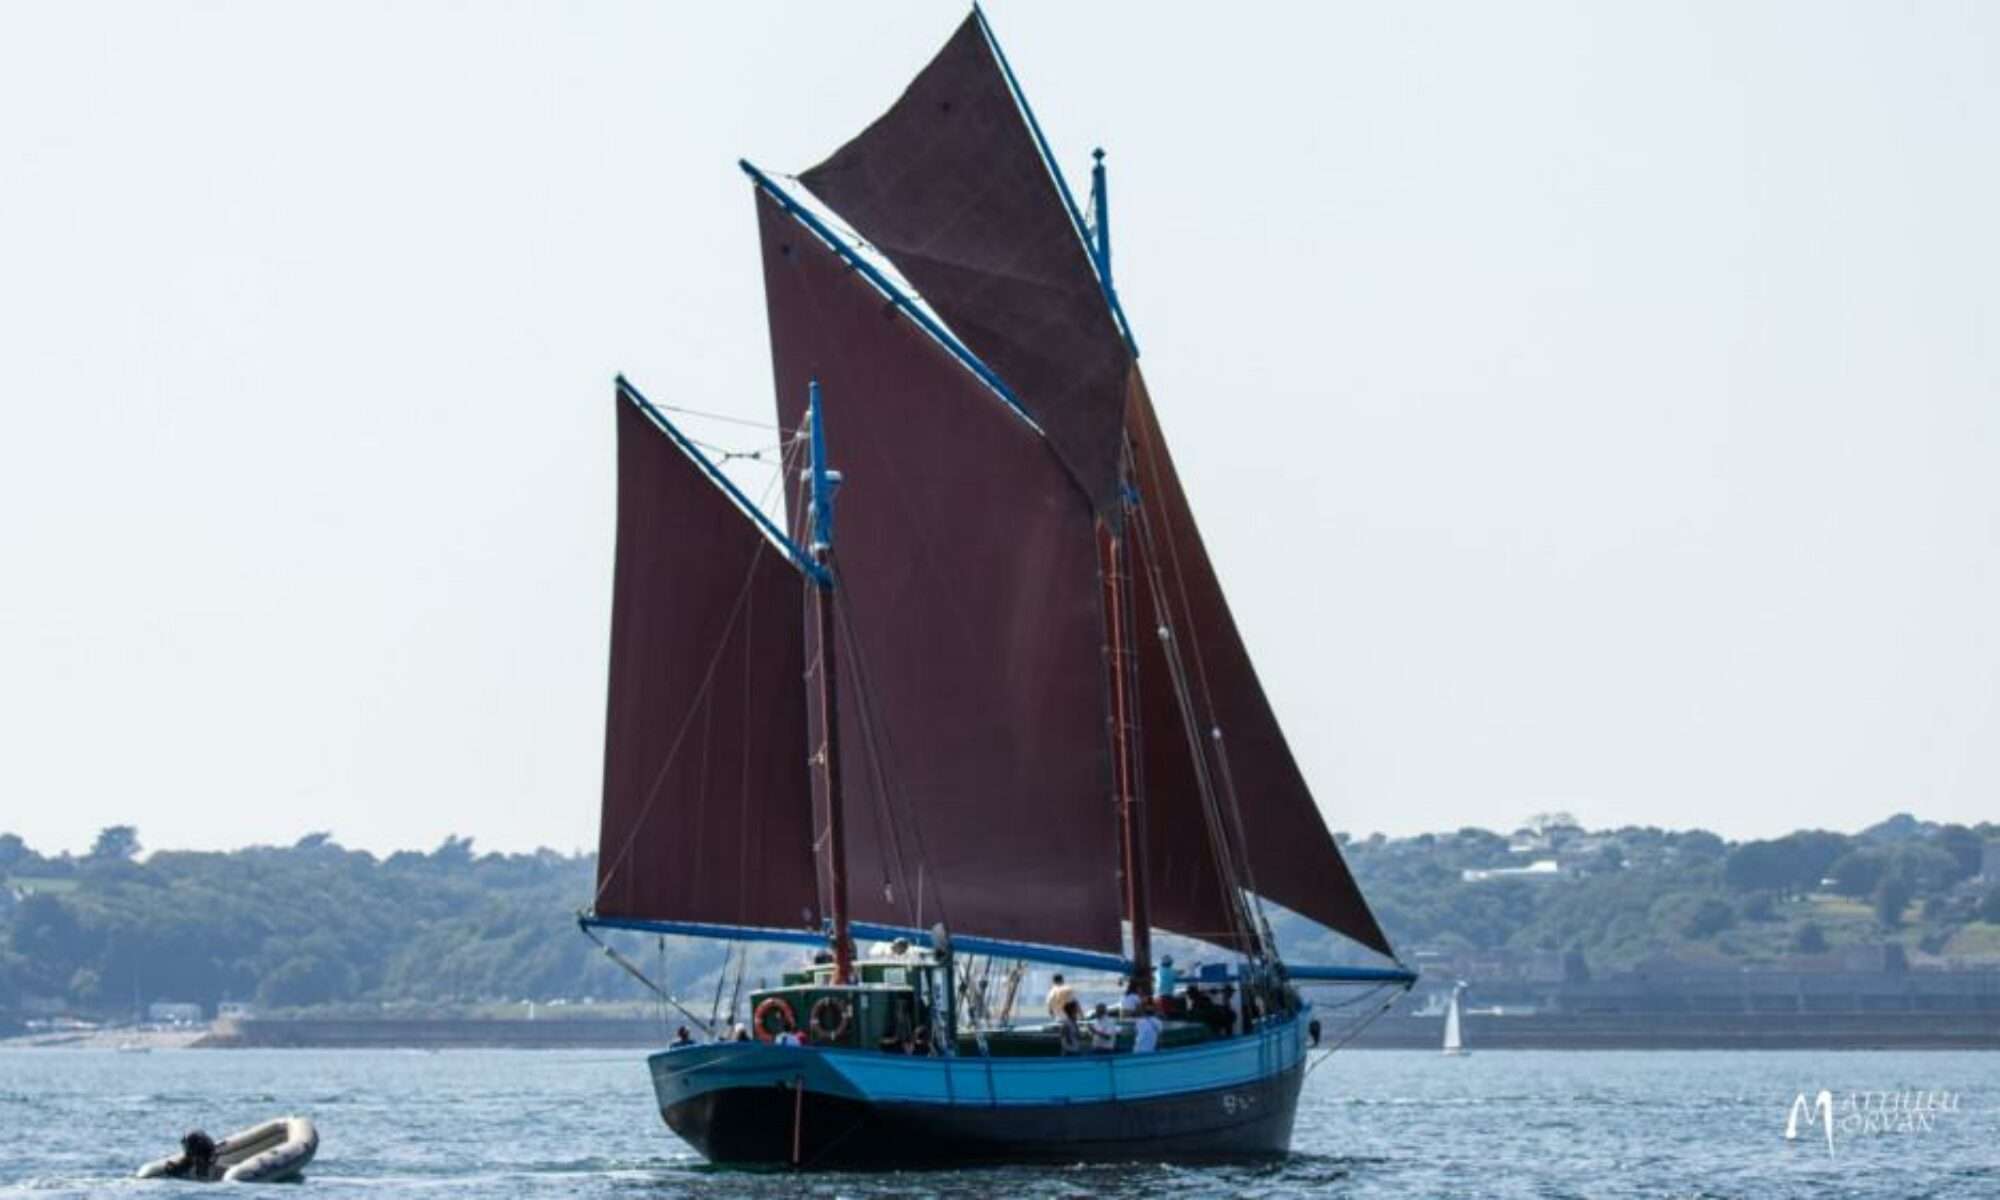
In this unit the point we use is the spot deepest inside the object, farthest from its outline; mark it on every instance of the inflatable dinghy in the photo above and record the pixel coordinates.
(274, 1152)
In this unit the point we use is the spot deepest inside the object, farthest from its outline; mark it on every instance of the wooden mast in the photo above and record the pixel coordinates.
(1116, 555)
(823, 482)
(1115, 552)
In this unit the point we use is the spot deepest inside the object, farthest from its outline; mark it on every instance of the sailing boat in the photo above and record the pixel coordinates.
(989, 708)
(1454, 1044)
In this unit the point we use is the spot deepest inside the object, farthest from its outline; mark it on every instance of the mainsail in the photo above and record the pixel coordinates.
(951, 185)
(706, 809)
(971, 695)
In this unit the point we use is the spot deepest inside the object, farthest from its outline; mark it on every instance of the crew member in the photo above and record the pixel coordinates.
(1103, 1031)
(1069, 1030)
(1146, 1030)
(1061, 996)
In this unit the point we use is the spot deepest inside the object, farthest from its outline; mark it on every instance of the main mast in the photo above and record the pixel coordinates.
(823, 482)
(1116, 567)
(1115, 552)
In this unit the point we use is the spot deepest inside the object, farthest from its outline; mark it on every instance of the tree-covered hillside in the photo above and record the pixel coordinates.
(1619, 896)
(310, 924)
(315, 924)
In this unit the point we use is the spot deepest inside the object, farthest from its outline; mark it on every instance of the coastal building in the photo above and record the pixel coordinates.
(1540, 869)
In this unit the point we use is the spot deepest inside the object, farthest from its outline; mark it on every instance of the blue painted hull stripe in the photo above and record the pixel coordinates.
(875, 1077)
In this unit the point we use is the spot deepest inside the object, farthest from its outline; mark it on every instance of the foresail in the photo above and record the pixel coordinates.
(951, 186)
(971, 692)
(1293, 859)
(707, 810)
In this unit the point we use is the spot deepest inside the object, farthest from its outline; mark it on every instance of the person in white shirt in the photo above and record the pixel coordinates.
(1061, 996)
(1103, 1031)
(1146, 1030)
(1129, 1003)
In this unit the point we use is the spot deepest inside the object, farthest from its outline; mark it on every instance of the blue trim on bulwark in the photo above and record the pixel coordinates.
(968, 1081)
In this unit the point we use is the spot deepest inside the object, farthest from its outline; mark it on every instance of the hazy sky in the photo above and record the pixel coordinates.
(1589, 406)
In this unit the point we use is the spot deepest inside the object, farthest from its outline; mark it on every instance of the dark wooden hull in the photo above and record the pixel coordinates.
(782, 1124)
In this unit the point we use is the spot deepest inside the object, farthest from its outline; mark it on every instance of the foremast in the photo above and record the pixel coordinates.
(827, 756)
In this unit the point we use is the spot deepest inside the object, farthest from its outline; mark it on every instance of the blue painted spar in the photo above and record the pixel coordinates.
(1060, 956)
(705, 929)
(799, 557)
(894, 294)
(1398, 975)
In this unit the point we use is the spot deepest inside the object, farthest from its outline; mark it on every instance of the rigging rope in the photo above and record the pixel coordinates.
(632, 969)
(721, 977)
(723, 454)
(1229, 876)
(716, 416)
(1354, 1031)
(874, 737)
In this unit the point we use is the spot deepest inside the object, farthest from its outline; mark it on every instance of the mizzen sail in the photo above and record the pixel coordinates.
(707, 814)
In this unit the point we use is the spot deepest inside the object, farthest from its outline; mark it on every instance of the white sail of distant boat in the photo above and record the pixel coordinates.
(1454, 1044)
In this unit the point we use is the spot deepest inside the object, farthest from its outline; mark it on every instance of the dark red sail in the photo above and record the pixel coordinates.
(951, 186)
(707, 804)
(1186, 886)
(1292, 857)
(971, 693)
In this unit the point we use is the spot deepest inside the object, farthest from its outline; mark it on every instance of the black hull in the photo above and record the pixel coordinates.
(777, 1124)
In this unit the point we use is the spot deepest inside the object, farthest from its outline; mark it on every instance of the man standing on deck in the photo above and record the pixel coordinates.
(1103, 1031)
(1146, 1030)
(1061, 996)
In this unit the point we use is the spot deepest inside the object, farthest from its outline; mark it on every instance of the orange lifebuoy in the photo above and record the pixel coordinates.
(842, 1014)
(769, 1005)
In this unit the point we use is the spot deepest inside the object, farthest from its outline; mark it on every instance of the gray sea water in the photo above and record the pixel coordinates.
(1371, 1124)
